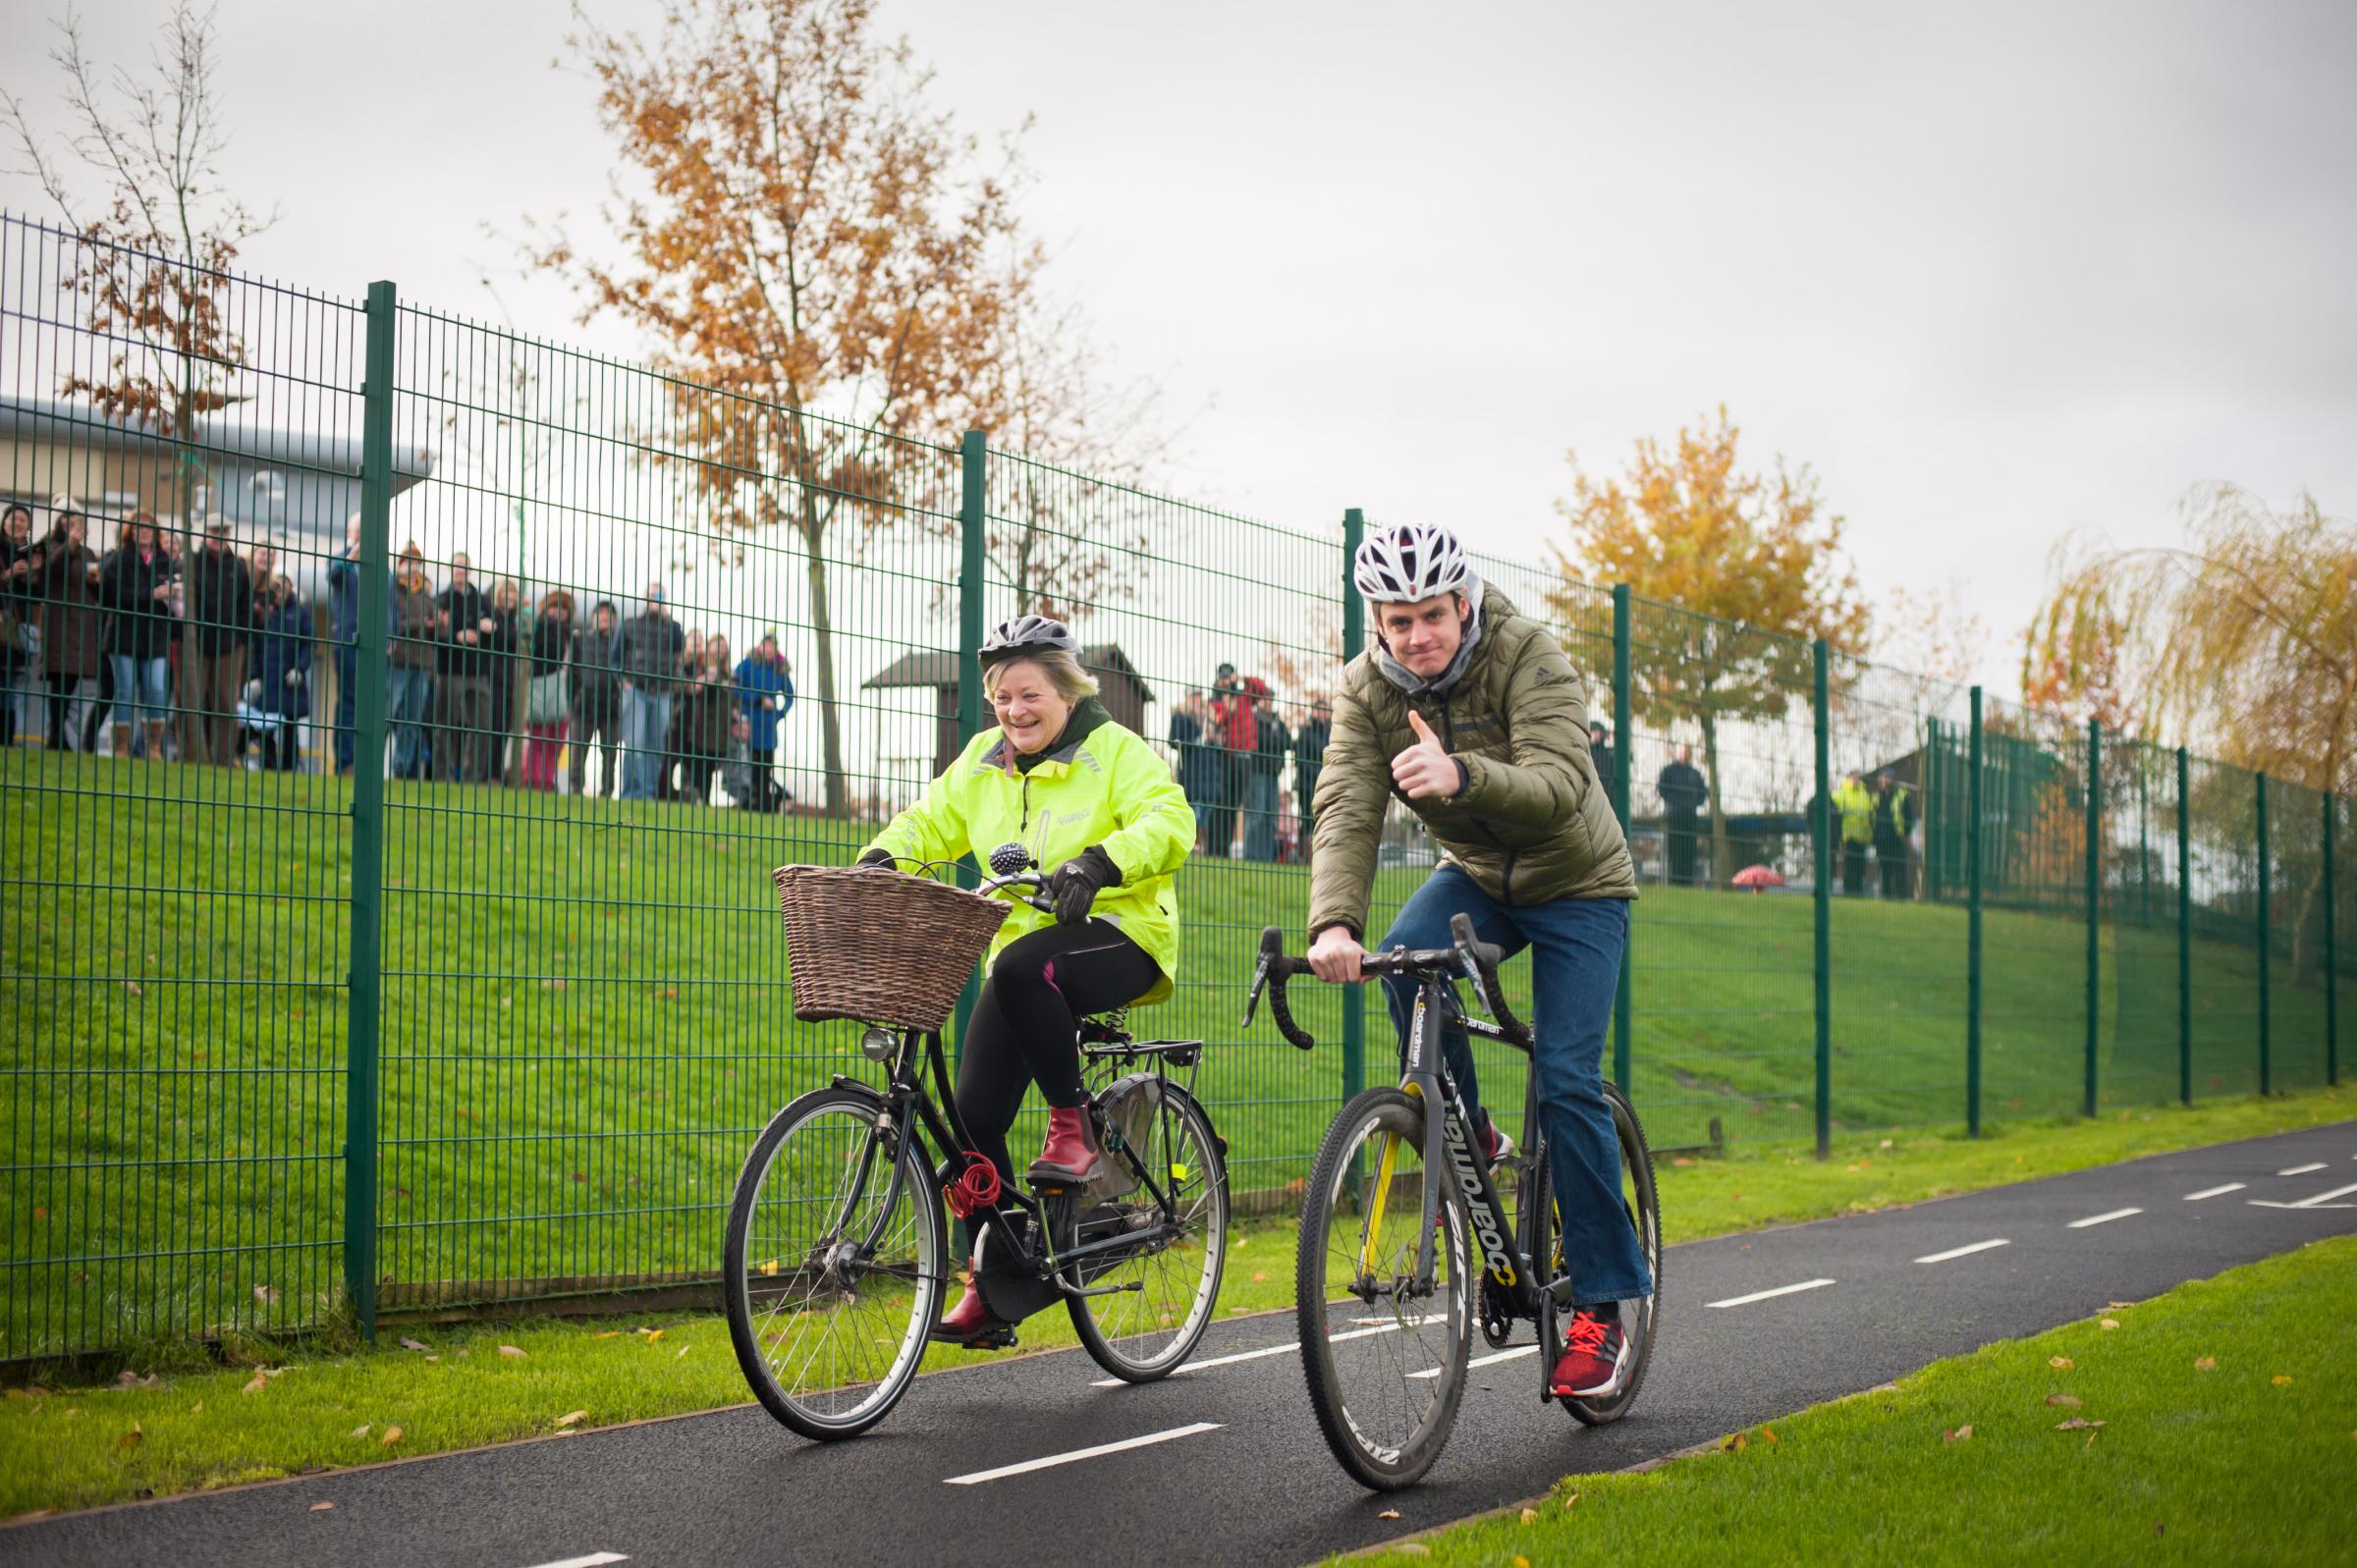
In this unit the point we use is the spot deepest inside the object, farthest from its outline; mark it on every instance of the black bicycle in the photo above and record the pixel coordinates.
(1401, 1209)
(837, 1255)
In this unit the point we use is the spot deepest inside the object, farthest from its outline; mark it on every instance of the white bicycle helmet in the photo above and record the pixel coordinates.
(1408, 562)
(1026, 634)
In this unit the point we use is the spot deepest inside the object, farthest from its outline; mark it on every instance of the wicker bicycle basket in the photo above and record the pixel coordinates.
(878, 947)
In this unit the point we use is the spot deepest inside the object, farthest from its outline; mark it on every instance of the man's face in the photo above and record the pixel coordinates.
(215, 543)
(604, 618)
(1685, 753)
(769, 650)
(1426, 634)
(458, 571)
(654, 603)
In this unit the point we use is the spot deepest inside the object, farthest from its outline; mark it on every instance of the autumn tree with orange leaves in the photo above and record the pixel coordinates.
(152, 267)
(820, 259)
(1756, 558)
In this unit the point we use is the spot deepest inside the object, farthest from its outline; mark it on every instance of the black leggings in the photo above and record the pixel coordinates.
(1026, 1025)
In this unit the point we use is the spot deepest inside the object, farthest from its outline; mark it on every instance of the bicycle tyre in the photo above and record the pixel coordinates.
(839, 1135)
(1639, 1320)
(1372, 1457)
(1183, 1140)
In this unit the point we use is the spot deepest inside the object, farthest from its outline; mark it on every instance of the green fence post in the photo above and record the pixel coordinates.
(2266, 942)
(2184, 930)
(1972, 924)
(1822, 811)
(1624, 993)
(2332, 952)
(974, 497)
(2095, 873)
(364, 989)
(1354, 643)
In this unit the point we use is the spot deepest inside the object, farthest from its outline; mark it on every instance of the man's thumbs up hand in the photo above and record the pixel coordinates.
(1425, 768)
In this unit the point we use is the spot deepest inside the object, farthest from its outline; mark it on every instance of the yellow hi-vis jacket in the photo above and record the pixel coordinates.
(1099, 784)
(1855, 802)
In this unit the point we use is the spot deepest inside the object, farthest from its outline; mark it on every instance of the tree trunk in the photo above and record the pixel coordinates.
(1717, 869)
(830, 717)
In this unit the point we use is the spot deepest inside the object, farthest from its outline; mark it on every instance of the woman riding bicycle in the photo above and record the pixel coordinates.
(1103, 818)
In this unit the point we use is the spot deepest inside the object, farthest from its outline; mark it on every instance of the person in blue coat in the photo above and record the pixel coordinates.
(283, 670)
(764, 693)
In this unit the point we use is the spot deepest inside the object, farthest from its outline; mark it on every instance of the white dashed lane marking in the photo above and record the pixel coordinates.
(2322, 1200)
(596, 1559)
(2104, 1219)
(2214, 1191)
(1960, 1251)
(2302, 1170)
(1483, 1361)
(1763, 1295)
(1050, 1461)
(1270, 1350)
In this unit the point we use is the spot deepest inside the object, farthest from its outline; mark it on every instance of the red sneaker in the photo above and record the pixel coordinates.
(1495, 1146)
(1070, 1153)
(1593, 1349)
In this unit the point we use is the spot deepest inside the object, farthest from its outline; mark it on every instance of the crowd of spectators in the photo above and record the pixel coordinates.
(207, 654)
(1231, 747)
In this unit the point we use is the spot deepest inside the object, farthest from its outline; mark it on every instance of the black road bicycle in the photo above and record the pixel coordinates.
(838, 1255)
(1403, 1215)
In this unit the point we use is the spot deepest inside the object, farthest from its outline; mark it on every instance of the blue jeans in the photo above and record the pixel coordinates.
(1576, 950)
(645, 728)
(1260, 814)
(141, 684)
(408, 699)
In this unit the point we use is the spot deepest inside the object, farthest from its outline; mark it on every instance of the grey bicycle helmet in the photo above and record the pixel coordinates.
(1026, 634)
(1408, 562)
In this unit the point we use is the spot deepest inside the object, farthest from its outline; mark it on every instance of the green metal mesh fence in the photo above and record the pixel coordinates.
(557, 1017)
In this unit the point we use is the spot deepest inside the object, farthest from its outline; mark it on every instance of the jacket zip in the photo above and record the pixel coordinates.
(1505, 879)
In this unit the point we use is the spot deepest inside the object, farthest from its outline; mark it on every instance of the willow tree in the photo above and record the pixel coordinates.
(2242, 638)
(810, 247)
(1748, 565)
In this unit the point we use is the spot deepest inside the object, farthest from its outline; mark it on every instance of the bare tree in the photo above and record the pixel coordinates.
(156, 244)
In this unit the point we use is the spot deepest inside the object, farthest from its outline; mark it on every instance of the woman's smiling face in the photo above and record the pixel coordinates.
(1030, 709)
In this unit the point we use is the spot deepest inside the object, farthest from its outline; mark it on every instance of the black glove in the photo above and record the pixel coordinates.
(882, 858)
(1075, 884)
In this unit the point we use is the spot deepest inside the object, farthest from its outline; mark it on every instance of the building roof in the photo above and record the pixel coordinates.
(79, 424)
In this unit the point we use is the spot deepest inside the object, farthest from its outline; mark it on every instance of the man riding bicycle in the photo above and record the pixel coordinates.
(1470, 712)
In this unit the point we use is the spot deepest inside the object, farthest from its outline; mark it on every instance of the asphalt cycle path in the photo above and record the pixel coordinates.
(1046, 1460)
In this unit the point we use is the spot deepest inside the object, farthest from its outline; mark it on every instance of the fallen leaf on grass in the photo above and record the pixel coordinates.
(1260, 1276)
(2281, 1379)
(1530, 1516)
(2108, 1324)
(392, 1436)
(1769, 1433)
(1680, 1160)
(511, 1352)
(321, 1507)
(1521, 1562)
(571, 1416)
(2205, 1364)
(2060, 1363)
(261, 1382)
(131, 1439)
(408, 1343)
(1735, 1444)
(2078, 1424)
(2119, 1306)
(265, 1295)
(2064, 1401)
(653, 1334)
(1961, 1433)
(1571, 1502)
(363, 1429)
(682, 1352)
(197, 1409)
(608, 1334)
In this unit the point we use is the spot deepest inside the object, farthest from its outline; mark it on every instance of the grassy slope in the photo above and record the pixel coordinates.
(586, 1017)
(202, 1429)
(2248, 1460)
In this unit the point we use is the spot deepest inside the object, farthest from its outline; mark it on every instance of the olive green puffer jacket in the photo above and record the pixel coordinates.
(1532, 825)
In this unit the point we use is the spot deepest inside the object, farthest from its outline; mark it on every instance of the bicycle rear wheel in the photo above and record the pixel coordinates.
(833, 1265)
(1386, 1364)
(1637, 1317)
(1149, 1331)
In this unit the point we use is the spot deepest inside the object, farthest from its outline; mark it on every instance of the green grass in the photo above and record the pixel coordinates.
(202, 1429)
(586, 1017)
(2249, 1459)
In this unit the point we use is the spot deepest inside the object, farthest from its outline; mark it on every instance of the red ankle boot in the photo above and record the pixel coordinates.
(968, 1319)
(1070, 1153)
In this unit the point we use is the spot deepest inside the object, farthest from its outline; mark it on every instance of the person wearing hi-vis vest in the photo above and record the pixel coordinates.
(1893, 820)
(1853, 806)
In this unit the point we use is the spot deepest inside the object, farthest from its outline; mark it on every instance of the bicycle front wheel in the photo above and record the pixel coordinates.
(1168, 1286)
(834, 1263)
(1384, 1353)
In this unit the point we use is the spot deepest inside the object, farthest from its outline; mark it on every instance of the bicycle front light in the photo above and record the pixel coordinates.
(877, 1044)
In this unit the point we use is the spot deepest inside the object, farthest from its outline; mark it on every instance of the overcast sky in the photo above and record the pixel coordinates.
(1998, 272)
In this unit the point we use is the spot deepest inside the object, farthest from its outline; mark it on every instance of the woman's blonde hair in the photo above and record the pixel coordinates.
(1063, 673)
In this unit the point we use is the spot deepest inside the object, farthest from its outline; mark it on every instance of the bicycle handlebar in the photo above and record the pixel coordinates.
(1467, 956)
